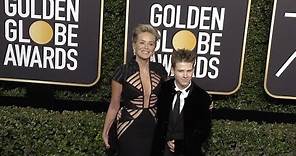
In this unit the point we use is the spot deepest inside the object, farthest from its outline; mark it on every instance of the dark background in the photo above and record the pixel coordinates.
(61, 120)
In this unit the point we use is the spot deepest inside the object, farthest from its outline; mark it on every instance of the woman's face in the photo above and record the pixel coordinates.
(144, 45)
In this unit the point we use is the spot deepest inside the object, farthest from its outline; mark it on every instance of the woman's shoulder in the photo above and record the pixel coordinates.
(120, 68)
(157, 67)
(156, 64)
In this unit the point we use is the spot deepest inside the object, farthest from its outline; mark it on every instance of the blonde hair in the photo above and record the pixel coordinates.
(183, 55)
(141, 28)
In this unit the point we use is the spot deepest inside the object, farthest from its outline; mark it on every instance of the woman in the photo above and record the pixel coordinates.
(137, 83)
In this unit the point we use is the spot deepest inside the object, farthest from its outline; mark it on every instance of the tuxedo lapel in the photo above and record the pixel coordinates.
(171, 93)
(165, 100)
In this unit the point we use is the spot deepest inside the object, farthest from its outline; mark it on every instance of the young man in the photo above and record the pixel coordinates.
(184, 117)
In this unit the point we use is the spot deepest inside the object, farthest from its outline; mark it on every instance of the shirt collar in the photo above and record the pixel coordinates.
(185, 90)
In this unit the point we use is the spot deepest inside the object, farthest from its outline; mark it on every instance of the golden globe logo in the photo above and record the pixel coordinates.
(215, 30)
(51, 41)
(200, 30)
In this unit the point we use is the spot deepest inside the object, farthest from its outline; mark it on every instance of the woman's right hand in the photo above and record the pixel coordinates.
(171, 145)
(112, 111)
(105, 139)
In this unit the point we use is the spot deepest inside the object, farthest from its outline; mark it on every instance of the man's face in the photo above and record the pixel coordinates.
(183, 73)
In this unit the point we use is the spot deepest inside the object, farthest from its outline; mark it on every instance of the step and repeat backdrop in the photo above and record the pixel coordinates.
(51, 41)
(216, 30)
(60, 41)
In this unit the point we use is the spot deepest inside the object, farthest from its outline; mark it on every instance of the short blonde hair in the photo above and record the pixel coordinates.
(141, 28)
(183, 55)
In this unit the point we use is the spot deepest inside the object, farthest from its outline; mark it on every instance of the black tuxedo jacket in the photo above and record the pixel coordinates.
(196, 115)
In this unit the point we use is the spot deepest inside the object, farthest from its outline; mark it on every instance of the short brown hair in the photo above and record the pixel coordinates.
(141, 28)
(183, 55)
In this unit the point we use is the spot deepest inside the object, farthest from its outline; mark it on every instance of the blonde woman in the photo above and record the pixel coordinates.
(137, 85)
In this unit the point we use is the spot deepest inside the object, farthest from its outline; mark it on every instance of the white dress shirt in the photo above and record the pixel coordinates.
(183, 95)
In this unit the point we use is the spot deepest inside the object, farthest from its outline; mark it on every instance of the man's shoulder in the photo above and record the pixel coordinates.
(195, 86)
(198, 91)
(167, 87)
(169, 82)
